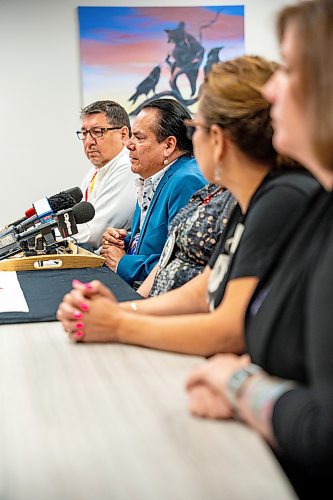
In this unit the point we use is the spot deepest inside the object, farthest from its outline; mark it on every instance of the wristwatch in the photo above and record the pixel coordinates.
(237, 381)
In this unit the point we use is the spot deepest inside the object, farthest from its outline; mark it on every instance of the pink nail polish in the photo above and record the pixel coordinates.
(79, 334)
(77, 315)
(84, 307)
(79, 325)
(76, 282)
(88, 286)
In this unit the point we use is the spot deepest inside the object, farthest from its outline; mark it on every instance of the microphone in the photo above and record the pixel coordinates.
(60, 201)
(66, 221)
(47, 206)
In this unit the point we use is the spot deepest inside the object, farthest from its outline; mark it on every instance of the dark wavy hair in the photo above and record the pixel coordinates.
(115, 113)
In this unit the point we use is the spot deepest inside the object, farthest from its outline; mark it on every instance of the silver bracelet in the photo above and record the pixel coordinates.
(133, 306)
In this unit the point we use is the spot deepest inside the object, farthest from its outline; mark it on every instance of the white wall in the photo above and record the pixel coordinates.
(40, 95)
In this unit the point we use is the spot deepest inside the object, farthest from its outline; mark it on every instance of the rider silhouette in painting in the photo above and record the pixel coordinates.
(185, 57)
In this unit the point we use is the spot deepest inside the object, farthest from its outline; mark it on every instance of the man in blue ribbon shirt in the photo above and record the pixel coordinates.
(162, 157)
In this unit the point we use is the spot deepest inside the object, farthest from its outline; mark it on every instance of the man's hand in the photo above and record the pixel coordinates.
(114, 236)
(112, 256)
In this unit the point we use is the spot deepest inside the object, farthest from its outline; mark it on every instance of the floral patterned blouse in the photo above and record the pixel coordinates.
(192, 236)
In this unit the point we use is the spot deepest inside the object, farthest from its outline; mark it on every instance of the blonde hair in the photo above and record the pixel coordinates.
(313, 21)
(231, 97)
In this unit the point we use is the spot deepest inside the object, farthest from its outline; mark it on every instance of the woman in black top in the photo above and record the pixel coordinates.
(233, 145)
(287, 393)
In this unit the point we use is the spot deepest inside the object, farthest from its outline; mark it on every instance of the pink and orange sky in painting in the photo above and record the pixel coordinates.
(119, 46)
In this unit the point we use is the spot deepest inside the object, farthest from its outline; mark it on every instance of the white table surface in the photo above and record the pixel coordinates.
(81, 422)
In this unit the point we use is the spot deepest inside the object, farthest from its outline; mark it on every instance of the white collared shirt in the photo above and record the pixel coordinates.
(113, 197)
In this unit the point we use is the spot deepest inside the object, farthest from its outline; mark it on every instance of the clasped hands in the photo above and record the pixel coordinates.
(113, 247)
(207, 386)
(89, 313)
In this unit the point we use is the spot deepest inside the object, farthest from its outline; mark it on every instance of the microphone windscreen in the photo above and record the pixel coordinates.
(76, 193)
(65, 199)
(83, 212)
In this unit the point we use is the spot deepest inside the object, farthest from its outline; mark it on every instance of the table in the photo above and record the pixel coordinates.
(83, 422)
(44, 290)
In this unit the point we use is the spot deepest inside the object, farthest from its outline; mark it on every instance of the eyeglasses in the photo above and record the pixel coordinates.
(191, 126)
(95, 132)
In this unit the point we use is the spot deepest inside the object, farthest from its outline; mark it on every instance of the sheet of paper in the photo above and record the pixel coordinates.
(11, 294)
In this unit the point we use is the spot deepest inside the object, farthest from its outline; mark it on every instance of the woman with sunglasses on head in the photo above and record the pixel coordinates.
(233, 145)
(287, 395)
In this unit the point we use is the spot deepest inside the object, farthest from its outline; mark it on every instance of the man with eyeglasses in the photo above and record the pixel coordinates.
(110, 184)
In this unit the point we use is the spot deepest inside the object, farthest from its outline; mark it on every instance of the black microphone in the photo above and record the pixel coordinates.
(47, 206)
(66, 221)
(64, 199)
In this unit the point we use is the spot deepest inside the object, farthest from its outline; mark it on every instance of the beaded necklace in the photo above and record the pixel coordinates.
(211, 195)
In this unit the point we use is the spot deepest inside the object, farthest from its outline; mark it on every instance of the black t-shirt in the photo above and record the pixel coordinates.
(289, 333)
(274, 211)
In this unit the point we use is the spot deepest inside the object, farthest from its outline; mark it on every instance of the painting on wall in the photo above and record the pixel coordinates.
(134, 54)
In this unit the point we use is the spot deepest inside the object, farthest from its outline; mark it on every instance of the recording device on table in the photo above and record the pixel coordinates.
(47, 226)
